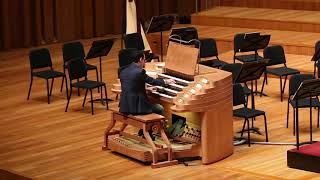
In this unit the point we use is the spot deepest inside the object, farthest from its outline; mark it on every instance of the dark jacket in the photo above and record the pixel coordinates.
(134, 99)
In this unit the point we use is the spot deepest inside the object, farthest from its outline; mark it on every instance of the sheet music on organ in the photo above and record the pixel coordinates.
(182, 59)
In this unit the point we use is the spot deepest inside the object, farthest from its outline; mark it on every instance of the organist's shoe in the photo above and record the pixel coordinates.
(140, 133)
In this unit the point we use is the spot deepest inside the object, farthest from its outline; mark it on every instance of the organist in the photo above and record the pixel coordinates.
(133, 80)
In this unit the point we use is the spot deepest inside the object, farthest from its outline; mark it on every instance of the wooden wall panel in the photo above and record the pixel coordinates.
(34, 22)
(100, 16)
(66, 20)
(37, 30)
(4, 25)
(147, 8)
(186, 7)
(86, 9)
(48, 20)
(167, 6)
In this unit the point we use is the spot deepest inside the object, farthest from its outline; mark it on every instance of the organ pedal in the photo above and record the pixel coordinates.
(145, 122)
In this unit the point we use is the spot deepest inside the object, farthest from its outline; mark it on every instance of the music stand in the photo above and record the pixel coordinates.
(307, 89)
(253, 42)
(99, 49)
(251, 72)
(183, 35)
(160, 24)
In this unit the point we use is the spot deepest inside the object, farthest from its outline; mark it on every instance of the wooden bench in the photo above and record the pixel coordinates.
(146, 123)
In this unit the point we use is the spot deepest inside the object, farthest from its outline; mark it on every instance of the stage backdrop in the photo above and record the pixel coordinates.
(26, 23)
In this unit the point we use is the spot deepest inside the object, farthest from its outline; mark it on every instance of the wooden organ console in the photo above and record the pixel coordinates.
(202, 95)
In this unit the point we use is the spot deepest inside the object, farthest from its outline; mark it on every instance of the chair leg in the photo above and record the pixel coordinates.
(264, 80)
(318, 116)
(66, 85)
(101, 96)
(288, 114)
(68, 97)
(294, 121)
(281, 96)
(48, 93)
(85, 97)
(91, 102)
(30, 88)
(78, 88)
(314, 68)
(98, 79)
(256, 85)
(266, 128)
(105, 92)
(51, 86)
(244, 125)
(310, 122)
(284, 85)
(248, 125)
(64, 71)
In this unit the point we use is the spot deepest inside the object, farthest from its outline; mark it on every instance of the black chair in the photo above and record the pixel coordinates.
(244, 58)
(245, 112)
(276, 56)
(135, 40)
(74, 50)
(123, 57)
(294, 84)
(77, 69)
(316, 61)
(40, 60)
(208, 49)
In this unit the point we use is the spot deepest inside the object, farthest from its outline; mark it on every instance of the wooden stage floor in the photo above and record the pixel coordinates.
(278, 19)
(42, 141)
(301, 43)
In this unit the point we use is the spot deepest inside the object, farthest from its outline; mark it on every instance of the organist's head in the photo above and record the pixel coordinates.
(137, 56)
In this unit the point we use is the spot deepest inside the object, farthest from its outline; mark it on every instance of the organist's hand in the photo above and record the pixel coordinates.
(152, 89)
(169, 81)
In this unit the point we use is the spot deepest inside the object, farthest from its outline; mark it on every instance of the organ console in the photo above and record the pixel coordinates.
(202, 95)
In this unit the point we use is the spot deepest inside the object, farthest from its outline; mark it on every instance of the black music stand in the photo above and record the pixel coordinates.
(183, 35)
(160, 24)
(99, 49)
(251, 72)
(254, 42)
(315, 58)
(307, 89)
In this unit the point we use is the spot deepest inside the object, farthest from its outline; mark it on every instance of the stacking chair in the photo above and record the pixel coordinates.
(245, 112)
(294, 84)
(77, 69)
(208, 49)
(316, 61)
(244, 58)
(275, 56)
(40, 60)
(74, 50)
(135, 40)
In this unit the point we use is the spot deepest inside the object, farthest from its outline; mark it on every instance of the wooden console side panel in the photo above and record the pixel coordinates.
(217, 131)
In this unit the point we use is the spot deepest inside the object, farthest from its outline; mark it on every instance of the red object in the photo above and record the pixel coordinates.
(311, 149)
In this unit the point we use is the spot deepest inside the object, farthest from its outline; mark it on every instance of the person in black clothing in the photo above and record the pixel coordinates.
(133, 80)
